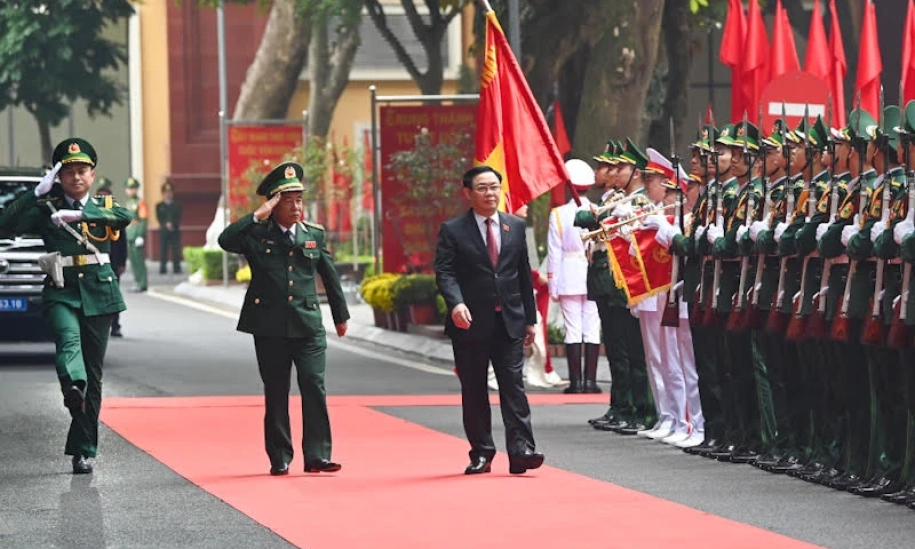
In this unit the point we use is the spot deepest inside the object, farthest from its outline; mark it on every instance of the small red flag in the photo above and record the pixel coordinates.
(817, 61)
(908, 54)
(731, 54)
(869, 63)
(784, 52)
(756, 59)
(838, 67)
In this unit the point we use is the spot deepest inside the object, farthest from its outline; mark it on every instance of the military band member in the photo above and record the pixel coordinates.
(136, 234)
(631, 404)
(80, 292)
(567, 274)
(282, 312)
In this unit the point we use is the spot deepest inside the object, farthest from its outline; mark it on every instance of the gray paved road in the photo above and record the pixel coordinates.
(171, 350)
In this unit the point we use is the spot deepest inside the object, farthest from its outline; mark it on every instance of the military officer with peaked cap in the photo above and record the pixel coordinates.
(81, 292)
(281, 311)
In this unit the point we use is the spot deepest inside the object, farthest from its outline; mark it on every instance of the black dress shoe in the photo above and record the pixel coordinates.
(706, 445)
(808, 469)
(591, 387)
(722, 452)
(520, 463)
(81, 465)
(574, 389)
(744, 455)
(786, 464)
(75, 400)
(116, 332)
(608, 417)
(911, 504)
(279, 470)
(632, 428)
(766, 460)
(478, 466)
(877, 488)
(322, 466)
(824, 477)
(846, 481)
(901, 496)
(615, 425)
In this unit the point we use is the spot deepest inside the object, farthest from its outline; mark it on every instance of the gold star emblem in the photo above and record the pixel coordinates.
(740, 131)
(290, 172)
(74, 148)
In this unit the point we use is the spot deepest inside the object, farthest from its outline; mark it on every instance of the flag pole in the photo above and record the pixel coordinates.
(486, 6)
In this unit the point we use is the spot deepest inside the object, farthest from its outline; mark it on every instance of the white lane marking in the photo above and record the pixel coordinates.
(365, 353)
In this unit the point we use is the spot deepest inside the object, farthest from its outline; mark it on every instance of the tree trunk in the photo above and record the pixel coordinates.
(678, 49)
(329, 67)
(273, 76)
(618, 75)
(44, 134)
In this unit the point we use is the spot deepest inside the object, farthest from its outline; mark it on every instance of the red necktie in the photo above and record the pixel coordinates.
(491, 243)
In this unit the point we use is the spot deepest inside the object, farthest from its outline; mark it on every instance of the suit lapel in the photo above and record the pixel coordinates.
(474, 230)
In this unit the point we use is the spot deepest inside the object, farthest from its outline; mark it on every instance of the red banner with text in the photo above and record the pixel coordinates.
(260, 148)
(424, 152)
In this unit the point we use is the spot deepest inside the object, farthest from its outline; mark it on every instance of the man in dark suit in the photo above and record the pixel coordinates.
(484, 274)
(281, 311)
(168, 214)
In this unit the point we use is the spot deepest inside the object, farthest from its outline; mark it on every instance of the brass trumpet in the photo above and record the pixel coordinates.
(615, 201)
(606, 232)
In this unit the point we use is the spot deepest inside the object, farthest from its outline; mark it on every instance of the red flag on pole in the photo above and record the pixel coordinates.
(558, 194)
(784, 52)
(731, 54)
(838, 67)
(817, 61)
(368, 197)
(869, 63)
(512, 134)
(756, 59)
(908, 54)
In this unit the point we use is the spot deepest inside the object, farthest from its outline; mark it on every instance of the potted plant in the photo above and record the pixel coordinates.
(377, 291)
(416, 293)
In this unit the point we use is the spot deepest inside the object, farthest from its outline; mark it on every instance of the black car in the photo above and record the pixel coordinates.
(21, 280)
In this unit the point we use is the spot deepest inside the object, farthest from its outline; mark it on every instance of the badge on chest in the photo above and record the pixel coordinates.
(311, 243)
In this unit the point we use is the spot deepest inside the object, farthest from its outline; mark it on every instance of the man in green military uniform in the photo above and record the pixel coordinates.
(80, 292)
(630, 405)
(168, 214)
(136, 234)
(281, 311)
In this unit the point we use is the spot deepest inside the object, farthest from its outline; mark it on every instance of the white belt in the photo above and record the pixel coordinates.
(80, 260)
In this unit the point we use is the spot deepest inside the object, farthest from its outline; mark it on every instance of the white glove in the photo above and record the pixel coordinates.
(821, 230)
(901, 229)
(713, 233)
(877, 230)
(757, 227)
(654, 221)
(742, 230)
(632, 250)
(780, 230)
(625, 231)
(138, 242)
(623, 211)
(634, 312)
(849, 231)
(44, 186)
(66, 216)
(700, 230)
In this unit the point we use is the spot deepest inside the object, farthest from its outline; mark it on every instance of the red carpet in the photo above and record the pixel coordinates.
(402, 487)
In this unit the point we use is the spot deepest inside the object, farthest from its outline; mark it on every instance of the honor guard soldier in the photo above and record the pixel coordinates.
(80, 292)
(118, 253)
(849, 282)
(168, 214)
(739, 204)
(567, 274)
(281, 311)
(631, 407)
(136, 234)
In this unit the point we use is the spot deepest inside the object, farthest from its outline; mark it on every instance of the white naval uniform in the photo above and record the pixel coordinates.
(567, 272)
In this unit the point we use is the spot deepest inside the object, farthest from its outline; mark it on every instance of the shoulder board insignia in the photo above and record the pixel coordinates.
(313, 225)
(848, 210)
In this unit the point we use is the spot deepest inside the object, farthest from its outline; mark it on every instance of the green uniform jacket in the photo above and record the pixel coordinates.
(282, 297)
(860, 248)
(93, 288)
(766, 245)
(686, 246)
(169, 213)
(735, 203)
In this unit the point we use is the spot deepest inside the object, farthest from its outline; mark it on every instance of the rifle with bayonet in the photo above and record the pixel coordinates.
(795, 331)
(776, 321)
(671, 316)
(898, 336)
(696, 314)
(873, 326)
(735, 318)
(840, 324)
(816, 322)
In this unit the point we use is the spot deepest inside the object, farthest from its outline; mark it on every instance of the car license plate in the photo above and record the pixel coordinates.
(14, 304)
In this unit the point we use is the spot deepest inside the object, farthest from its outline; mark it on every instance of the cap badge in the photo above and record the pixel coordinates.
(740, 131)
(74, 148)
(290, 172)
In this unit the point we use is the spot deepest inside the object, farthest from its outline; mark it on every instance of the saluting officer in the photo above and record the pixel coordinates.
(81, 292)
(281, 311)
(136, 234)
